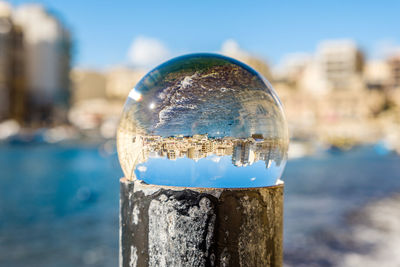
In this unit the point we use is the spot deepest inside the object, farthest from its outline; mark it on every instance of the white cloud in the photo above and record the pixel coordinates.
(215, 159)
(142, 168)
(147, 52)
(231, 48)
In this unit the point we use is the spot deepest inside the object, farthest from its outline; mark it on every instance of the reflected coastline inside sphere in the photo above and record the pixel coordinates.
(203, 120)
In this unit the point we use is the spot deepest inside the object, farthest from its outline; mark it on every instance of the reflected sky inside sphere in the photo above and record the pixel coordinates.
(203, 120)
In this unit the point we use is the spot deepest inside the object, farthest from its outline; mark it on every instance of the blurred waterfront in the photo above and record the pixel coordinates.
(59, 207)
(336, 95)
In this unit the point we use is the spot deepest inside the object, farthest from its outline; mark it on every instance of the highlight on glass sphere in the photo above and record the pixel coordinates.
(203, 120)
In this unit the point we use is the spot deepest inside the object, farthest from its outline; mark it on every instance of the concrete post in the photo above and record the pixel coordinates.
(177, 226)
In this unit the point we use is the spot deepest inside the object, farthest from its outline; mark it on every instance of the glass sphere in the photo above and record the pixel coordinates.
(203, 120)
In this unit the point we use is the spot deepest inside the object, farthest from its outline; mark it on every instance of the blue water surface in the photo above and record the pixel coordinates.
(59, 203)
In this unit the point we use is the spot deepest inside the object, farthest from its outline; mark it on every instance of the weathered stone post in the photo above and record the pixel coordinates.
(179, 226)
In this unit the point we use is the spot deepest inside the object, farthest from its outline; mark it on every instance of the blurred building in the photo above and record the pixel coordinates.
(231, 49)
(344, 116)
(300, 110)
(98, 98)
(326, 98)
(394, 64)
(46, 56)
(377, 75)
(5, 60)
(11, 66)
(340, 64)
(87, 85)
(336, 65)
(121, 80)
(292, 68)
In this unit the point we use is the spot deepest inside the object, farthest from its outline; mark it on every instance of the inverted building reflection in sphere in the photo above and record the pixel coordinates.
(203, 120)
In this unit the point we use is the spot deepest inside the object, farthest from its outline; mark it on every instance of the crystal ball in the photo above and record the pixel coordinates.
(203, 120)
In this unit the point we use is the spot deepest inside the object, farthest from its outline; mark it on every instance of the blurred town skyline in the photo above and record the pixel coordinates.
(336, 93)
(144, 33)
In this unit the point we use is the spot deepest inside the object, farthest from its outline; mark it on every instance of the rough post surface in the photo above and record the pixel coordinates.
(175, 226)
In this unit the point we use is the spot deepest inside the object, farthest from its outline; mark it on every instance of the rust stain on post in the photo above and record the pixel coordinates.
(177, 226)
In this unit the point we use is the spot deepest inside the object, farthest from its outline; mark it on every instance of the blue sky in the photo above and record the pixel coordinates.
(212, 171)
(104, 30)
